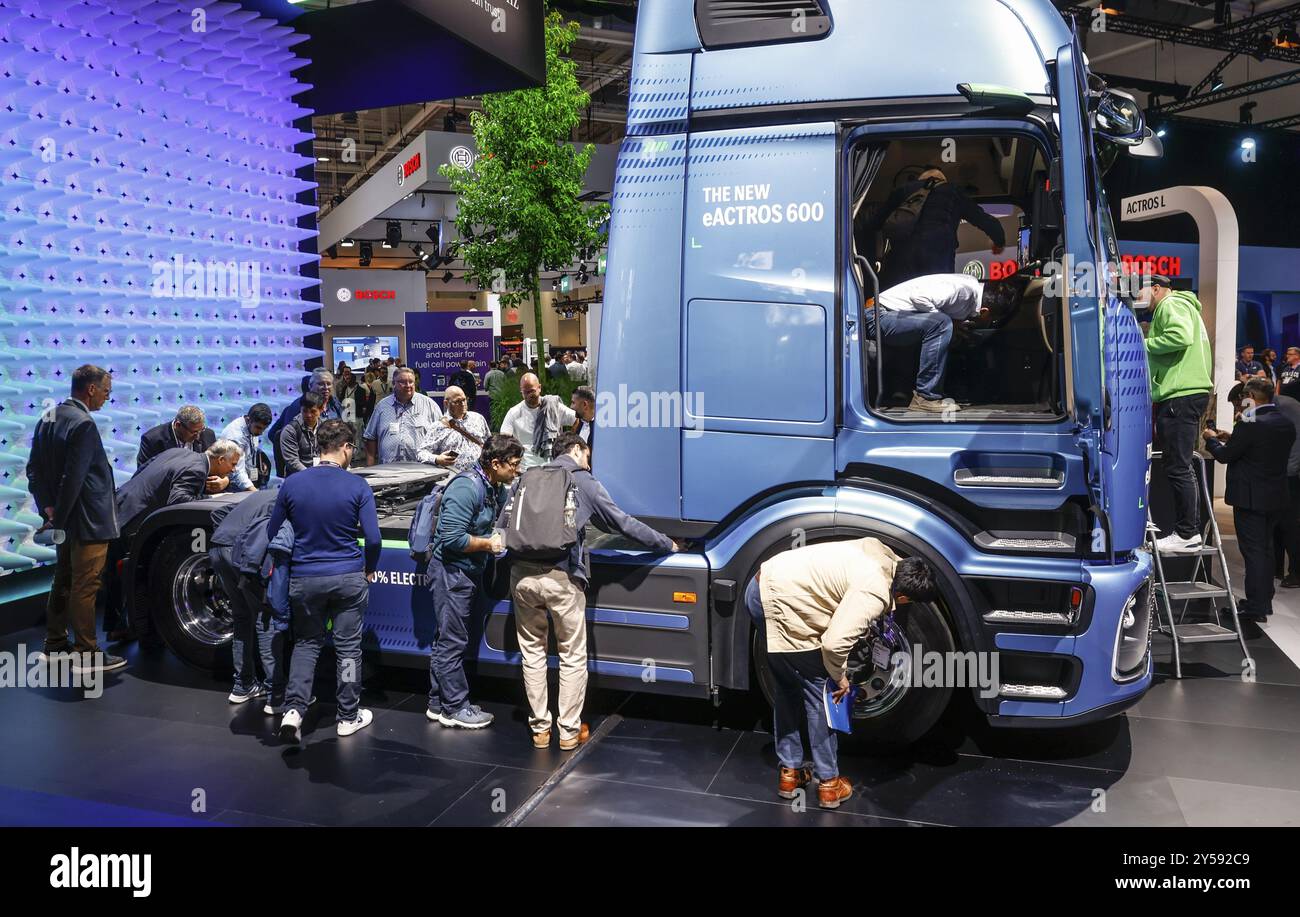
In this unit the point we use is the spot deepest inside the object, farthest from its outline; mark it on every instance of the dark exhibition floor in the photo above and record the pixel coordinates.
(1209, 750)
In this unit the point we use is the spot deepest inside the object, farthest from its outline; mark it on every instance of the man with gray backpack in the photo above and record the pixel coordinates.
(544, 521)
(460, 517)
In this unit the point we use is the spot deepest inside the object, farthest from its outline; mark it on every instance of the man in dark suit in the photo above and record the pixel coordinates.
(1256, 456)
(188, 429)
(174, 476)
(71, 481)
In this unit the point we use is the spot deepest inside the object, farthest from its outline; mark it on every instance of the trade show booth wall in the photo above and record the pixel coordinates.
(150, 223)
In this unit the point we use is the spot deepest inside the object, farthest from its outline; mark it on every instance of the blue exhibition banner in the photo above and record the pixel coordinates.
(437, 342)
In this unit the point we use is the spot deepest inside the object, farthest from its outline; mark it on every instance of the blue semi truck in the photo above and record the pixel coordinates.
(752, 412)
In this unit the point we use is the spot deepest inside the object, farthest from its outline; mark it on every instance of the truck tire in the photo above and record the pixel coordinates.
(896, 716)
(188, 606)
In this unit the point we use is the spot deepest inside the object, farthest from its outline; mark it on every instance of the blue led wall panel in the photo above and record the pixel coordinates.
(148, 222)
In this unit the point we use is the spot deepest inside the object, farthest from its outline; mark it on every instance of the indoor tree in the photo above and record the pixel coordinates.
(518, 203)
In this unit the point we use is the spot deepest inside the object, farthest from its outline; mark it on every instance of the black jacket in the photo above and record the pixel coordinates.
(69, 471)
(932, 247)
(1256, 455)
(332, 411)
(163, 437)
(467, 382)
(176, 476)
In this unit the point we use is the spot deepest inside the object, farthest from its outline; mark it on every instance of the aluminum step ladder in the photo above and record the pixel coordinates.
(1201, 586)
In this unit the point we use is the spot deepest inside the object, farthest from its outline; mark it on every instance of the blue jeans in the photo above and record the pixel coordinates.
(316, 600)
(934, 332)
(800, 680)
(459, 602)
(254, 637)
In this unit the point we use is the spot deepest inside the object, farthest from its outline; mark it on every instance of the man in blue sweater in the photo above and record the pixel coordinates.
(461, 547)
(327, 505)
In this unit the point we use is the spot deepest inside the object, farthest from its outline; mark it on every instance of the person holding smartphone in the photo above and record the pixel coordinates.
(456, 440)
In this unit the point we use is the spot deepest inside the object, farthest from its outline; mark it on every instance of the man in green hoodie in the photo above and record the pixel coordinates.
(1178, 356)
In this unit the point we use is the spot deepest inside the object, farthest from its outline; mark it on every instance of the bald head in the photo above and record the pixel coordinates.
(531, 388)
(455, 400)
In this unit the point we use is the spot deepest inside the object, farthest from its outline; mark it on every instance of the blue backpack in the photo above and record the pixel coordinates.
(424, 520)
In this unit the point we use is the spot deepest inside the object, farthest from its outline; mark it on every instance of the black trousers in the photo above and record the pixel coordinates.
(1178, 425)
(1255, 541)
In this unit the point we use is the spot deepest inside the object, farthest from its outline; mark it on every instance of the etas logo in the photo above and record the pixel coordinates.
(474, 321)
(103, 870)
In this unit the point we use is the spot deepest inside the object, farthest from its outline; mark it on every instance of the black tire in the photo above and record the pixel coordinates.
(917, 709)
(188, 607)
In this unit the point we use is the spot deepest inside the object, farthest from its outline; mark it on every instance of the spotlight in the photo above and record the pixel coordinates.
(385, 244)
(446, 278)
(1161, 132)
(583, 277)
(1114, 7)
(420, 253)
(332, 252)
(1248, 143)
(1218, 84)
(348, 243)
(1288, 37)
(1263, 46)
(433, 233)
(449, 123)
(1246, 114)
(393, 233)
(322, 159)
(367, 252)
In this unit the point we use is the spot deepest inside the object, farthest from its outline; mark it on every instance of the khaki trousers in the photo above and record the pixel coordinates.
(538, 590)
(72, 595)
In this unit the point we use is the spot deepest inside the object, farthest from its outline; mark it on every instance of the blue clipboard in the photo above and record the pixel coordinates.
(839, 716)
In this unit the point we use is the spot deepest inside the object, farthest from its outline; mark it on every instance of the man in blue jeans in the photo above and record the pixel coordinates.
(462, 544)
(253, 634)
(923, 310)
(812, 605)
(329, 579)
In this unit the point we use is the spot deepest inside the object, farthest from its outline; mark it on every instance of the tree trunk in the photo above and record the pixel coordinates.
(537, 328)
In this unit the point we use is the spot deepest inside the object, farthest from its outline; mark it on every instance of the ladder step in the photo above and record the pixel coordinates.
(1177, 592)
(1205, 633)
(1202, 551)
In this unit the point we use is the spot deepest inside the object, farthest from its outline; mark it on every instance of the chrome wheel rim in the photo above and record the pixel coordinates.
(200, 604)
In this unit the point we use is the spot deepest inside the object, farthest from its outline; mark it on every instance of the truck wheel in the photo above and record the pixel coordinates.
(190, 610)
(890, 712)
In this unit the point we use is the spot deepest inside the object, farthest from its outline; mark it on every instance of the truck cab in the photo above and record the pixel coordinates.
(760, 142)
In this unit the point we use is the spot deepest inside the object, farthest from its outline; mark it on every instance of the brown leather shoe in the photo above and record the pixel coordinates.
(542, 739)
(830, 793)
(580, 739)
(794, 779)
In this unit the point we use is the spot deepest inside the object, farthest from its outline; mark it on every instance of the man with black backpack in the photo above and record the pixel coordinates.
(460, 547)
(919, 221)
(544, 521)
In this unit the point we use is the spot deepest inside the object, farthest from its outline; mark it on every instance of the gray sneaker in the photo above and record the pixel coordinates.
(98, 661)
(468, 717)
(932, 406)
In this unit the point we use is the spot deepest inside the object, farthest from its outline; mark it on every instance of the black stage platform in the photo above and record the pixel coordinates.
(1209, 750)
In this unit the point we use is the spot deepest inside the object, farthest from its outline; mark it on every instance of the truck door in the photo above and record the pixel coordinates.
(1107, 357)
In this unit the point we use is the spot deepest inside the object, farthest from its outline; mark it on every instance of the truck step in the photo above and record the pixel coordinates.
(1205, 633)
(1177, 592)
(1203, 551)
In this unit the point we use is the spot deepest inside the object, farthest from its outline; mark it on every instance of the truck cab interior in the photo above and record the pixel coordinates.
(1000, 367)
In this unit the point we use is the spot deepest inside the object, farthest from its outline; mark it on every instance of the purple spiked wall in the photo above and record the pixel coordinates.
(152, 217)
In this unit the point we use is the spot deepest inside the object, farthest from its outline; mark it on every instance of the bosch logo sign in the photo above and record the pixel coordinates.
(974, 269)
(461, 156)
(406, 169)
(343, 294)
(468, 321)
(376, 294)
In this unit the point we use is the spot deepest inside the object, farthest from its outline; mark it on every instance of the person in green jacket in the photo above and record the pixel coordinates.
(1178, 356)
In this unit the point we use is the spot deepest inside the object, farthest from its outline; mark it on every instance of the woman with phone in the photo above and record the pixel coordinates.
(456, 441)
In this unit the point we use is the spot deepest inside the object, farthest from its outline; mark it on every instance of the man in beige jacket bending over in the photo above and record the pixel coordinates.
(814, 604)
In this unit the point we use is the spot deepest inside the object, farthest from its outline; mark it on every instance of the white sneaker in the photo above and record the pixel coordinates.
(1173, 543)
(272, 711)
(291, 727)
(363, 719)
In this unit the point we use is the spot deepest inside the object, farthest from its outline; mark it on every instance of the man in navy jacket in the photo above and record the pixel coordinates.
(1256, 456)
(327, 505)
(71, 480)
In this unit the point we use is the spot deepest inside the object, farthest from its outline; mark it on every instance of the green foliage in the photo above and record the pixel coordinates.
(507, 396)
(519, 208)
